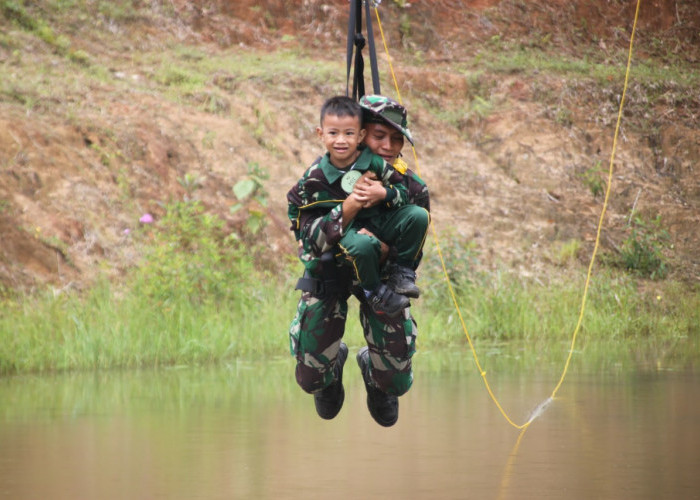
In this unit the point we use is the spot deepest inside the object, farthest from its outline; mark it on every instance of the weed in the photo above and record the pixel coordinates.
(252, 197)
(176, 77)
(208, 139)
(593, 179)
(460, 261)
(564, 117)
(642, 251)
(15, 11)
(481, 107)
(190, 257)
(567, 251)
(190, 183)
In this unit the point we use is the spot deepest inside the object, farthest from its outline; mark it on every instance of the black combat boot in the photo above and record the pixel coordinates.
(384, 302)
(383, 407)
(402, 280)
(329, 400)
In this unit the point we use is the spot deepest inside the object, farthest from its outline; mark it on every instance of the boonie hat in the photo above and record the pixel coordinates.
(384, 109)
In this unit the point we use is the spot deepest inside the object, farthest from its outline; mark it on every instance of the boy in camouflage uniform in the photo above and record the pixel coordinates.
(323, 215)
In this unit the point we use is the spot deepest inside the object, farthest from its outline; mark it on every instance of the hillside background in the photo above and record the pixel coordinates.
(112, 110)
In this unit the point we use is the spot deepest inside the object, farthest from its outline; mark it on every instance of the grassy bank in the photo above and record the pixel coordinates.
(198, 298)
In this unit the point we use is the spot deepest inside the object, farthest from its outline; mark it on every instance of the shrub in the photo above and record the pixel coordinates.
(642, 251)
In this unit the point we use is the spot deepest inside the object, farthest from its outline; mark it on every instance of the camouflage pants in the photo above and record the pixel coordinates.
(318, 327)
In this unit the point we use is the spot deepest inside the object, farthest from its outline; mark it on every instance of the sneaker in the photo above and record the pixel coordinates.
(402, 280)
(329, 400)
(383, 407)
(385, 302)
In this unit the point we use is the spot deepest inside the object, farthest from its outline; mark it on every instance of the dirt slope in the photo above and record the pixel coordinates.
(506, 153)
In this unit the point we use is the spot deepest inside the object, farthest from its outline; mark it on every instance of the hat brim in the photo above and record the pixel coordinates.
(377, 118)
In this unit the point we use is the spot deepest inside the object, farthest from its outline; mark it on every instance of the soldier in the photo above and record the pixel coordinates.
(386, 128)
(321, 213)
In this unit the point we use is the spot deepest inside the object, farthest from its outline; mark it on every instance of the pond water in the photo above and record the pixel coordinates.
(247, 431)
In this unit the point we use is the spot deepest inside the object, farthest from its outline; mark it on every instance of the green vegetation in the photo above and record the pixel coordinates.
(252, 198)
(204, 294)
(198, 298)
(594, 180)
(642, 251)
(195, 298)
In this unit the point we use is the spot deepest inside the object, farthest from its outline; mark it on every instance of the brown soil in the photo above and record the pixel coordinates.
(81, 165)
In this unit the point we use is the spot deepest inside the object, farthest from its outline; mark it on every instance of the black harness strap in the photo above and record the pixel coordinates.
(372, 51)
(356, 39)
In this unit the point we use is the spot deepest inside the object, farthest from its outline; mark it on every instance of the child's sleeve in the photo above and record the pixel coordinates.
(317, 220)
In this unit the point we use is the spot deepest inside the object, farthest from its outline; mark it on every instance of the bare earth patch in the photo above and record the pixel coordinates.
(80, 166)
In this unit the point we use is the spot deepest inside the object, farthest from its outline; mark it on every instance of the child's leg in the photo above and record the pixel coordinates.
(364, 252)
(405, 228)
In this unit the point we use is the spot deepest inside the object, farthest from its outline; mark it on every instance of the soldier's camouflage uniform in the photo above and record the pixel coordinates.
(315, 210)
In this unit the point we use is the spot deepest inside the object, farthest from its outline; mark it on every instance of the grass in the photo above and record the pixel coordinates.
(105, 331)
(213, 314)
(513, 324)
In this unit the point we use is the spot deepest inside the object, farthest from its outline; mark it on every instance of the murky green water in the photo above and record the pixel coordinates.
(249, 432)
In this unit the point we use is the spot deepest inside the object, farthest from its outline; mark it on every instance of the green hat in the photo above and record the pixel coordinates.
(381, 109)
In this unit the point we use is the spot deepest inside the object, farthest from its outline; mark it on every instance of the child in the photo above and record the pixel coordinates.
(335, 202)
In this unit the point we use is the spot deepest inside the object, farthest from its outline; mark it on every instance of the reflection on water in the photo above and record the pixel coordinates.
(249, 432)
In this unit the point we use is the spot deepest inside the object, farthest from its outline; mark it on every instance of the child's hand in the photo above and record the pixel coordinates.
(369, 190)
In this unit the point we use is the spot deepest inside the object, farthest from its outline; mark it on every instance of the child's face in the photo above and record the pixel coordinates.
(384, 141)
(341, 135)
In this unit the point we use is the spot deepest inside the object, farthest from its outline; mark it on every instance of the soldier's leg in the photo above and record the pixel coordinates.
(314, 336)
(392, 343)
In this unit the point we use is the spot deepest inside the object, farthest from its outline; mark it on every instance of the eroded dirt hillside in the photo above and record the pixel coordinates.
(91, 137)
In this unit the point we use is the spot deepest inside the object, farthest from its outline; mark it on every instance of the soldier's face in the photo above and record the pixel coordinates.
(341, 135)
(384, 141)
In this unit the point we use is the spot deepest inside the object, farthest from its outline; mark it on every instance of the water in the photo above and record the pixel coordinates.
(249, 432)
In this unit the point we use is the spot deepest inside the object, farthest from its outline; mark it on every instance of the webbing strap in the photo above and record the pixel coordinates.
(351, 41)
(356, 39)
(372, 51)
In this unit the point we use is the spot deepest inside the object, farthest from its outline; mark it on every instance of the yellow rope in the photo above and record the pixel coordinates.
(537, 412)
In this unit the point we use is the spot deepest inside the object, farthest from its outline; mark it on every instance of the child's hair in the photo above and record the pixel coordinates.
(341, 105)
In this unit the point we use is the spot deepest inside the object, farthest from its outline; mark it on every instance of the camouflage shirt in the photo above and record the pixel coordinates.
(316, 203)
(417, 190)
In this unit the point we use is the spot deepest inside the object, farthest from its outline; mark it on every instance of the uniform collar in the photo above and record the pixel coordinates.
(333, 174)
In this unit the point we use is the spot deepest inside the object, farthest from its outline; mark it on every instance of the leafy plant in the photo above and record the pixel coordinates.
(642, 251)
(191, 256)
(252, 198)
(190, 183)
(593, 179)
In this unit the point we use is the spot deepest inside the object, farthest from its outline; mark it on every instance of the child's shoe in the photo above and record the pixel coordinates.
(385, 302)
(403, 280)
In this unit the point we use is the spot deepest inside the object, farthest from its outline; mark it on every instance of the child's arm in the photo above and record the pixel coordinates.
(318, 222)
